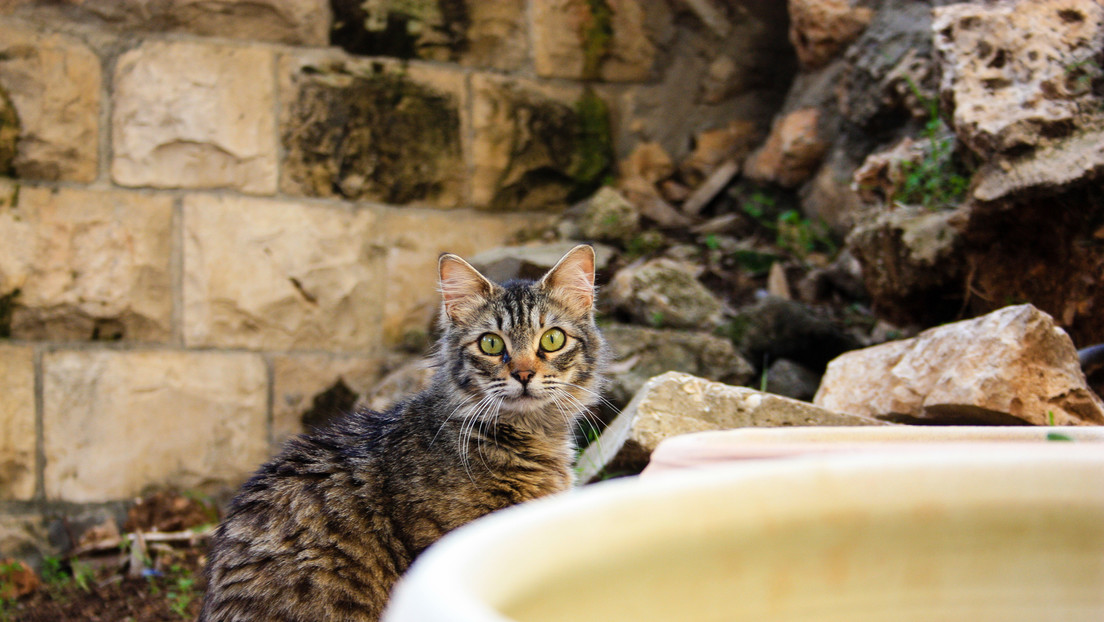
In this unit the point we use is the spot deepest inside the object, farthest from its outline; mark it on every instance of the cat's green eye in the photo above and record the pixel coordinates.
(553, 339)
(491, 344)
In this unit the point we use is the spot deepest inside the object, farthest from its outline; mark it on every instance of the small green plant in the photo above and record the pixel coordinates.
(935, 181)
(52, 573)
(182, 592)
(800, 236)
(83, 574)
(657, 319)
(711, 242)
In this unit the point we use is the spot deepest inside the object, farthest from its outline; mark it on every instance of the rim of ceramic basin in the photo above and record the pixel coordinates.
(461, 578)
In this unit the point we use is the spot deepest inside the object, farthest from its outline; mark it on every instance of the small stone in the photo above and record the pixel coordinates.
(664, 293)
(648, 161)
(608, 217)
(17, 580)
(641, 353)
(195, 115)
(87, 265)
(1012, 366)
(53, 81)
(792, 152)
(266, 274)
(790, 379)
(408, 379)
(819, 29)
(17, 423)
(713, 147)
(676, 403)
(186, 419)
(25, 536)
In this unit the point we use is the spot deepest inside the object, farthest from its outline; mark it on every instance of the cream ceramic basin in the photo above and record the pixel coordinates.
(971, 532)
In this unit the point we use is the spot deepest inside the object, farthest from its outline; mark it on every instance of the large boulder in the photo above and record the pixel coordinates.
(1013, 366)
(676, 403)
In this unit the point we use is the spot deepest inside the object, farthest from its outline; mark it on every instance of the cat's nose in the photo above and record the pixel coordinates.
(523, 376)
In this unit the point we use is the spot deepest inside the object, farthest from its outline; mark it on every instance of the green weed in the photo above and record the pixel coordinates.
(936, 181)
(182, 591)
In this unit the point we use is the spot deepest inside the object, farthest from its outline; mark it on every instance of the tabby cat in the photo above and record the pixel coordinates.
(324, 530)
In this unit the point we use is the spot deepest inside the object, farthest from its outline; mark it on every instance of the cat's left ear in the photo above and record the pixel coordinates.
(462, 287)
(572, 278)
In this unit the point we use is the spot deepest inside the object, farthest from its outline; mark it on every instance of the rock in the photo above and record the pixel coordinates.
(651, 205)
(829, 196)
(371, 130)
(296, 22)
(410, 242)
(791, 153)
(1012, 366)
(641, 353)
(186, 419)
(713, 147)
(87, 264)
(794, 380)
(676, 403)
(310, 390)
(1048, 168)
(580, 40)
(648, 161)
(664, 293)
(54, 83)
(17, 423)
(820, 29)
(774, 328)
(478, 34)
(531, 261)
(266, 274)
(25, 536)
(195, 115)
(912, 263)
(882, 174)
(408, 379)
(1015, 73)
(16, 580)
(535, 146)
(607, 216)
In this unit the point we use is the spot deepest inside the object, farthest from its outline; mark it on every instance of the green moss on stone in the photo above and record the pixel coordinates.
(9, 134)
(593, 153)
(596, 35)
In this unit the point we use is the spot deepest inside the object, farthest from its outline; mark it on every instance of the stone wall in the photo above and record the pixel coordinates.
(211, 218)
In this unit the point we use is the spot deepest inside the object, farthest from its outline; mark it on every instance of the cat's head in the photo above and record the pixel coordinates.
(522, 347)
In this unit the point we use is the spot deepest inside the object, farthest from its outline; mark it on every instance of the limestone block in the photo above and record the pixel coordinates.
(17, 423)
(53, 80)
(1010, 366)
(792, 152)
(664, 293)
(375, 130)
(608, 216)
(676, 403)
(195, 115)
(303, 22)
(115, 422)
(573, 40)
(530, 148)
(1018, 73)
(820, 29)
(87, 264)
(312, 389)
(497, 35)
(264, 274)
(413, 240)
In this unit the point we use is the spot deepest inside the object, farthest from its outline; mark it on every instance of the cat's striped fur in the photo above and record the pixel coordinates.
(324, 530)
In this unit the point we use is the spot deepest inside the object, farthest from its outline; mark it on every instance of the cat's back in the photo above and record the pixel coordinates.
(304, 539)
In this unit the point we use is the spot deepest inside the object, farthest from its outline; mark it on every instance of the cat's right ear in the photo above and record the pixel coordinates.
(462, 287)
